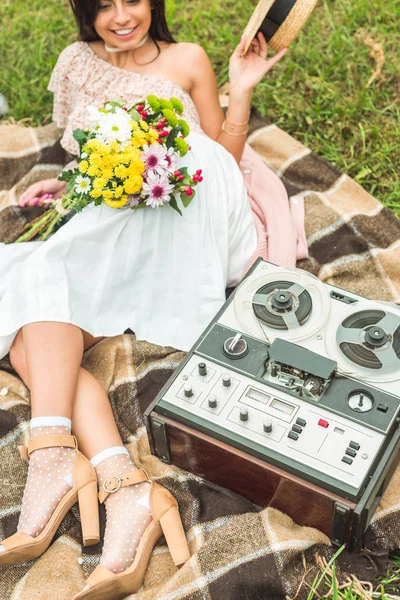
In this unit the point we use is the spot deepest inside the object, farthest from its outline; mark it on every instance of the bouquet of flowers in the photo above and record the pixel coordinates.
(127, 158)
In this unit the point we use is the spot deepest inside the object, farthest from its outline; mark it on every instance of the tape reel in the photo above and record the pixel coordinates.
(292, 305)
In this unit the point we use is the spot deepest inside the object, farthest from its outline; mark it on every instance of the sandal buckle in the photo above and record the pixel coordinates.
(112, 484)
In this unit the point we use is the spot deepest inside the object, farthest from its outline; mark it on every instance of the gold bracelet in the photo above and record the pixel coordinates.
(234, 134)
(237, 124)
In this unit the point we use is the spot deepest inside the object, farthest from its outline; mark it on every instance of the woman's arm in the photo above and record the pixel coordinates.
(244, 74)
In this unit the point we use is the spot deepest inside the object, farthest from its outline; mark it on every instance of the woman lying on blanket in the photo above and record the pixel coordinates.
(160, 274)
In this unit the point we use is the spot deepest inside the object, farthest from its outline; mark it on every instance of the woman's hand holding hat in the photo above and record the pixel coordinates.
(247, 70)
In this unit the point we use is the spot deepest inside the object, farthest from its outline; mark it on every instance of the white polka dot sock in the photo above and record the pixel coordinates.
(127, 510)
(49, 476)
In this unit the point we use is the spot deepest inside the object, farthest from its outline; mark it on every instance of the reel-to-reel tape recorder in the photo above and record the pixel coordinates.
(291, 397)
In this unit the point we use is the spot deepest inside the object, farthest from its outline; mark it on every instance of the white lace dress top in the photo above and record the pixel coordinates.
(81, 78)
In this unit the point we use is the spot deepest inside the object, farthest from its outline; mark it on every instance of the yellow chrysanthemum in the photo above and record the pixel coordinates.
(116, 203)
(108, 194)
(133, 184)
(136, 167)
(105, 162)
(144, 125)
(152, 135)
(107, 173)
(104, 149)
(95, 159)
(92, 170)
(114, 146)
(95, 193)
(119, 190)
(99, 183)
(83, 166)
(121, 171)
(93, 144)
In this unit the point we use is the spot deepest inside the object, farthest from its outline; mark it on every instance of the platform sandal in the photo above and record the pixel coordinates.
(103, 584)
(22, 547)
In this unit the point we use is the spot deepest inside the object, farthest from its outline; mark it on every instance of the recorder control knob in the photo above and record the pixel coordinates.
(267, 425)
(202, 369)
(244, 414)
(212, 401)
(235, 347)
(226, 380)
(188, 390)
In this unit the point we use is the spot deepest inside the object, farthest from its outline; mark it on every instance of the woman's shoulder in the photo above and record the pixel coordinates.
(186, 51)
(189, 60)
(71, 52)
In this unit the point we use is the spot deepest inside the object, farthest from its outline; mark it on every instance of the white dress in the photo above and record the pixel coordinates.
(159, 274)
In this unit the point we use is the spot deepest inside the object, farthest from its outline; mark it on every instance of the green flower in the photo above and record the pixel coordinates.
(181, 146)
(164, 103)
(154, 103)
(171, 117)
(177, 104)
(185, 127)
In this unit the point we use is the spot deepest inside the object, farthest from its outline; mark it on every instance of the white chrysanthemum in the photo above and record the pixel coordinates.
(170, 159)
(159, 189)
(94, 114)
(114, 127)
(154, 158)
(83, 184)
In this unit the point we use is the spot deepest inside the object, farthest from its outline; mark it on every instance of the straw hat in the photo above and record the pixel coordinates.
(279, 20)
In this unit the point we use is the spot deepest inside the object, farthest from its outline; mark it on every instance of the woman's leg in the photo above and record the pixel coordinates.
(53, 355)
(93, 423)
(48, 356)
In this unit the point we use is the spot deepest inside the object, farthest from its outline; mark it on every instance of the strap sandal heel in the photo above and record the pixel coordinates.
(103, 584)
(175, 537)
(89, 511)
(22, 547)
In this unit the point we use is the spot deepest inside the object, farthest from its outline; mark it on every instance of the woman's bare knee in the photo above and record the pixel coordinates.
(89, 340)
(17, 353)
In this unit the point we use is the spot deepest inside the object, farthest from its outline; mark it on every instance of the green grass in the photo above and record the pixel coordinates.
(317, 93)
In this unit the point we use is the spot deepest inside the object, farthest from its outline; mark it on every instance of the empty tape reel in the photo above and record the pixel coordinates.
(365, 341)
(284, 303)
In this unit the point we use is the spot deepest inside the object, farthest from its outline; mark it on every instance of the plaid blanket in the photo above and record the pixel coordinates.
(239, 551)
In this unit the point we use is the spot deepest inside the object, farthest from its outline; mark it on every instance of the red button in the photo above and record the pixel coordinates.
(323, 423)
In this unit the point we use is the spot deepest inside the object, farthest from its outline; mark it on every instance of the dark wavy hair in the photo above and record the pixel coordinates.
(86, 11)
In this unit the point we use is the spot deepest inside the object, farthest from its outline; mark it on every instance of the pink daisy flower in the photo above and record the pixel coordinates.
(170, 160)
(153, 157)
(158, 188)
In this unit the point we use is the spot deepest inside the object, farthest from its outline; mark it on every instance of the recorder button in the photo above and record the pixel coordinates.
(293, 435)
(323, 423)
(351, 452)
(226, 380)
(297, 428)
(188, 390)
(202, 369)
(267, 425)
(347, 460)
(212, 401)
(244, 414)
(301, 422)
(354, 445)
